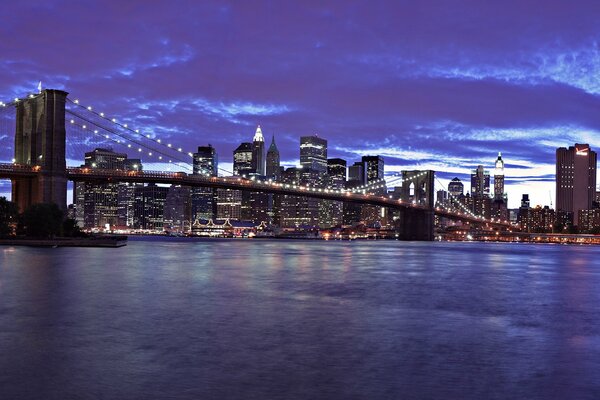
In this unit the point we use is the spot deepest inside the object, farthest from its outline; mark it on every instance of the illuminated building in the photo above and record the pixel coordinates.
(149, 206)
(500, 201)
(313, 153)
(589, 221)
(336, 179)
(177, 212)
(203, 200)
(480, 192)
(258, 152)
(99, 204)
(575, 180)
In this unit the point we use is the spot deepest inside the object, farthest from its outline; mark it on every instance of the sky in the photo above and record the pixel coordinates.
(426, 84)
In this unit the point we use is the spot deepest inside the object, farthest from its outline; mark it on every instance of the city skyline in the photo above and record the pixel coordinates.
(400, 81)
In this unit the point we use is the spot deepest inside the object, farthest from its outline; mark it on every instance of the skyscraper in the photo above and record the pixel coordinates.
(500, 202)
(480, 182)
(575, 181)
(499, 178)
(480, 192)
(98, 204)
(258, 152)
(273, 167)
(242, 160)
(313, 153)
(333, 211)
(203, 200)
(374, 167)
(456, 188)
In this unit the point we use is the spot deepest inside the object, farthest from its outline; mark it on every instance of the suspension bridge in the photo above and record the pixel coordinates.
(44, 123)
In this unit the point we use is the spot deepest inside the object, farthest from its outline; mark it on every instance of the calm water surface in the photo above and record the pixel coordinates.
(252, 319)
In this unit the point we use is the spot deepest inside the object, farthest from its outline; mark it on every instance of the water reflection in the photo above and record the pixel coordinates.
(300, 319)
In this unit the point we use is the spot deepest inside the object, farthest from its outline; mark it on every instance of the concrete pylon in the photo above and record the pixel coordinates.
(40, 142)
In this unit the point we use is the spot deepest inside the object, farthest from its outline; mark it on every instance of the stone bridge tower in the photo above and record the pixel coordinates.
(417, 188)
(40, 141)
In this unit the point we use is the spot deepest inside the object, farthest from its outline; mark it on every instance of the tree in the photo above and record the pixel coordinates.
(42, 220)
(71, 229)
(9, 212)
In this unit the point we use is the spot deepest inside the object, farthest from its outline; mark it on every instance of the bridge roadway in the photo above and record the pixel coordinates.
(82, 174)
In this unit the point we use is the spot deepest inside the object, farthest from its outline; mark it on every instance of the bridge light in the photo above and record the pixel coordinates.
(160, 157)
(114, 120)
(179, 149)
(169, 145)
(129, 145)
(102, 114)
(150, 153)
(72, 121)
(89, 108)
(106, 136)
(14, 160)
(158, 140)
(76, 101)
(84, 127)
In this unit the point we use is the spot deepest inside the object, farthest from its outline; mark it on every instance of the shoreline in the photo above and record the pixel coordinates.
(106, 241)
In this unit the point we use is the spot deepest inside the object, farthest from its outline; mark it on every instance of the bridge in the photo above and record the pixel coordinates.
(39, 173)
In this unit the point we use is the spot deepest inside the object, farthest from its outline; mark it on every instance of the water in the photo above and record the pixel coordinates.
(252, 319)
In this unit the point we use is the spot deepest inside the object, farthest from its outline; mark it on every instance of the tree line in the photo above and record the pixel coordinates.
(44, 220)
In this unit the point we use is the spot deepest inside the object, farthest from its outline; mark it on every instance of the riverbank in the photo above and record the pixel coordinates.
(94, 241)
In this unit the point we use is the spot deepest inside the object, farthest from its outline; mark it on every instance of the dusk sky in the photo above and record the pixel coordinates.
(427, 85)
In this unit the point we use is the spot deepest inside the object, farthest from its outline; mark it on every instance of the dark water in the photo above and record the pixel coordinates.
(182, 319)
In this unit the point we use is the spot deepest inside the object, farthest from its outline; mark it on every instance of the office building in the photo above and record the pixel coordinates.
(575, 181)
(258, 152)
(273, 163)
(203, 200)
(313, 153)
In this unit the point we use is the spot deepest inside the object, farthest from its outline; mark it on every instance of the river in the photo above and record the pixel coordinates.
(274, 319)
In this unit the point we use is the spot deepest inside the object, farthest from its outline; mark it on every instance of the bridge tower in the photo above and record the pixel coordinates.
(40, 142)
(417, 188)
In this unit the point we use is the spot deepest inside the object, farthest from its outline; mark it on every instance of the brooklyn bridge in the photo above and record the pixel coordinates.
(39, 171)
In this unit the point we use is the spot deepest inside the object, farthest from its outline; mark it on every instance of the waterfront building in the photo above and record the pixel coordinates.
(589, 221)
(203, 200)
(101, 204)
(575, 181)
(177, 211)
(229, 204)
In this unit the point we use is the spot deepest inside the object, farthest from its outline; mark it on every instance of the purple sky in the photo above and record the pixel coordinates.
(442, 86)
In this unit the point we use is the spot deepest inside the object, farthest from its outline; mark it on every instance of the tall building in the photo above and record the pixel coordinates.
(373, 167)
(177, 209)
(101, 204)
(500, 201)
(575, 181)
(229, 204)
(333, 211)
(480, 192)
(356, 174)
(374, 171)
(313, 153)
(273, 164)
(258, 152)
(203, 200)
(149, 206)
(480, 182)
(499, 178)
(456, 188)
(242, 160)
